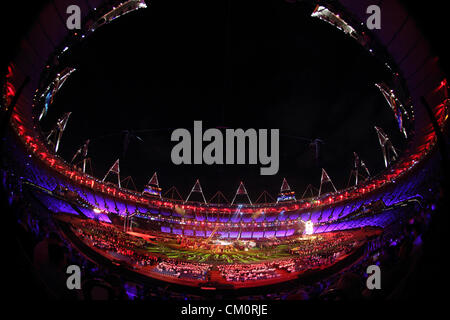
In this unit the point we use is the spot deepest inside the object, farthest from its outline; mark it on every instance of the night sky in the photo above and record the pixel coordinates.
(258, 65)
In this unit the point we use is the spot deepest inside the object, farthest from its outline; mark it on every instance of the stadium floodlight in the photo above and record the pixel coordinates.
(173, 194)
(218, 197)
(241, 191)
(49, 93)
(196, 188)
(355, 173)
(55, 135)
(115, 169)
(325, 179)
(395, 105)
(152, 187)
(286, 194)
(265, 197)
(82, 153)
(389, 152)
(363, 165)
(116, 12)
(335, 20)
(310, 189)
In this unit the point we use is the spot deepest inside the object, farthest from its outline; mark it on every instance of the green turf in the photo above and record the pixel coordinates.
(199, 255)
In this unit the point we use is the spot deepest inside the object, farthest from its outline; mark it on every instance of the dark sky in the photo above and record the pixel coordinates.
(258, 65)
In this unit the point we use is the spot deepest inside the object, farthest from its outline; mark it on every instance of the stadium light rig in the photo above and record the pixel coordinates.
(335, 20)
(116, 12)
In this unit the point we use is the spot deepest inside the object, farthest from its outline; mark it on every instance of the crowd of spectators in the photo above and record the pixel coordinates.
(317, 252)
(399, 252)
(180, 269)
(106, 237)
(243, 272)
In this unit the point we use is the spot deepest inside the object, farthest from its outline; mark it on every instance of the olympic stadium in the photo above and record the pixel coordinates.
(364, 192)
